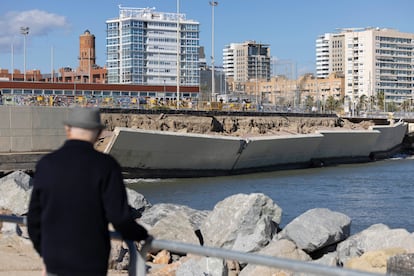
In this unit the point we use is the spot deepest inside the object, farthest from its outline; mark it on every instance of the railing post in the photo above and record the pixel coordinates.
(134, 260)
(142, 267)
(137, 266)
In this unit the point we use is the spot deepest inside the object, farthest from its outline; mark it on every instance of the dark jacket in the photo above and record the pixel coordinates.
(77, 191)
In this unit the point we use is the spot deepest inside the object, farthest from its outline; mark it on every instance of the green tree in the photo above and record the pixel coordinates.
(363, 102)
(391, 107)
(406, 106)
(332, 104)
(309, 102)
(380, 99)
(372, 103)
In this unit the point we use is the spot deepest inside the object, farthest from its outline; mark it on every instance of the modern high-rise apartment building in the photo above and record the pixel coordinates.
(243, 62)
(329, 54)
(142, 48)
(374, 61)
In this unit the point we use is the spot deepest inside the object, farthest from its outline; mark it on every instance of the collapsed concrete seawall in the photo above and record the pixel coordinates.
(167, 154)
(181, 144)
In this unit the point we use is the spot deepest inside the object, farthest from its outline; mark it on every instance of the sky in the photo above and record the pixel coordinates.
(290, 28)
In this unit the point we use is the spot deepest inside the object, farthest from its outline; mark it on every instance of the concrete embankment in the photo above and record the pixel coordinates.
(170, 154)
(213, 141)
(241, 222)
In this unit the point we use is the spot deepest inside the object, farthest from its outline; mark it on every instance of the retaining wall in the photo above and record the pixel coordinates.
(135, 148)
(31, 128)
(352, 143)
(278, 150)
(391, 135)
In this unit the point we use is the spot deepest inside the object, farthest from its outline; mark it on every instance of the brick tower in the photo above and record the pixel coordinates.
(86, 51)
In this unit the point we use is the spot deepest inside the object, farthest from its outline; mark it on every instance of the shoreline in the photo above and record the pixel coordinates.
(242, 222)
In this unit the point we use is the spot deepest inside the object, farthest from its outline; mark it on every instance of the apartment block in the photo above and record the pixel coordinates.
(144, 47)
(375, 62)
(329, 54)
(243, 62)
(282, 91)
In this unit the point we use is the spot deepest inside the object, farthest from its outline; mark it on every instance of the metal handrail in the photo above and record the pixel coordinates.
(137, 266)
(252, 258)
(13, 219)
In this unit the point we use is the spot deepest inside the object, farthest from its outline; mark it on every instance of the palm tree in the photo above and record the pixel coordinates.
(381, 100)
(309, 102)
(372, 103)
(405, 106)
(362, 104)
(332, 104)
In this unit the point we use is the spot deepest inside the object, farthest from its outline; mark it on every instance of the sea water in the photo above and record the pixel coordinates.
(369, 193)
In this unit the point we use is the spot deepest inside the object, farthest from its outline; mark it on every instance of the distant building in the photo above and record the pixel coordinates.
(243, 62)
(329, 54)
(17, 75)
(202, 58)
(142, 48)
(375, 63)
(86, 52)
(88, 71)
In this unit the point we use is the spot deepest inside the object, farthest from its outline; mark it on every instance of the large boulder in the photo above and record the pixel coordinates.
(137, 201)
(242, 222)
(284, 249)
(15, 192)
(373, 261)
(158, 211)
(175, 227)
(375, 237)
(196, 265)
(317, 228)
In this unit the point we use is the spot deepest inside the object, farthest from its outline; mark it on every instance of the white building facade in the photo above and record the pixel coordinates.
(144, 47)
(374, 62)
(329, 54)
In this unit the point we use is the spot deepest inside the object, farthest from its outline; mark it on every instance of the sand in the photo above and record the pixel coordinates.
(18, 258)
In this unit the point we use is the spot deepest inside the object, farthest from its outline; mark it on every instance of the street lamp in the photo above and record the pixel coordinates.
(178, 55)
(164, 93)
(212, 4)
(24, 31)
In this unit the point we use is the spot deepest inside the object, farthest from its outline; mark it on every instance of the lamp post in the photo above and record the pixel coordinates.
(24, 31)
(213, 84)
(257, 88)
(164, 93)
(178, 55)
(12, 61)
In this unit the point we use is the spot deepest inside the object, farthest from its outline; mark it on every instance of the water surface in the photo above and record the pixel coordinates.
(369, 193)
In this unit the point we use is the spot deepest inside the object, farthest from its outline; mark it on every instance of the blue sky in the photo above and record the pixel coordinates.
(289, 27)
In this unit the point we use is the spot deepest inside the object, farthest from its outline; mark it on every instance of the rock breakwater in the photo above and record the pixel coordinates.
(242, 222)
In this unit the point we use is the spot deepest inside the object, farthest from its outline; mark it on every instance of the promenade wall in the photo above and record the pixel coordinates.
(31, 128)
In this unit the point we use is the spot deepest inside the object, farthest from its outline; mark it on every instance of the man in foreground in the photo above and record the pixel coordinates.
(77, 192)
